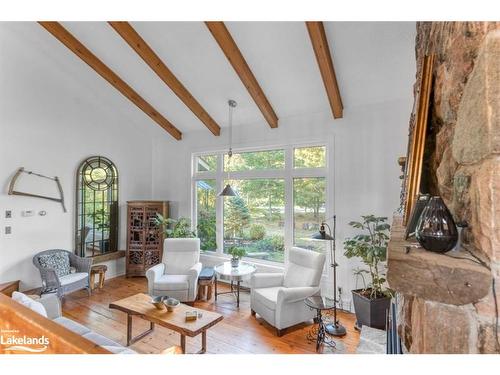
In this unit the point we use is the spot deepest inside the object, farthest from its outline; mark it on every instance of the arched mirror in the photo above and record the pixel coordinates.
(96, 207)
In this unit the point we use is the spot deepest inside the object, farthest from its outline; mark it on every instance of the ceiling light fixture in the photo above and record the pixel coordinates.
(228, 190)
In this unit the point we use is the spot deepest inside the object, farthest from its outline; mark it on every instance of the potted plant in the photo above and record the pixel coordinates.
(172, 228)
(236, 254)
(372, 302)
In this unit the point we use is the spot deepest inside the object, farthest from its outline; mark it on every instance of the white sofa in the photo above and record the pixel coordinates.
(279, 297)
(49, 306)
(177, 275)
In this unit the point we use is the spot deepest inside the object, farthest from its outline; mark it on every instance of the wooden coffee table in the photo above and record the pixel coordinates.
(140, 305)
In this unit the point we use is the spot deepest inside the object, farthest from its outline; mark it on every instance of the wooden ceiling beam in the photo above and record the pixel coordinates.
(139, 45)
(235, 57)
(322, 51)
(66, 38)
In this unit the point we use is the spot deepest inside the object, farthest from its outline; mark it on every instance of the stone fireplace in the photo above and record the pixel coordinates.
(447, 305)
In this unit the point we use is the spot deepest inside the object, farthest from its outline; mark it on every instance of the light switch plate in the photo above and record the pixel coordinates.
(8, 214)
(8, 230)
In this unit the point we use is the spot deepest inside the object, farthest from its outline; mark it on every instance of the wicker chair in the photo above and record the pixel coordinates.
(65, 284)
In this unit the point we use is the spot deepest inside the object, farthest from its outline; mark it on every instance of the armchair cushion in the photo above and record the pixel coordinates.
(72, 326)
(58, 261)
(171, 282)
(180, 254)
(304, 268)
(31, 304)
(72, 277)
(267, 296)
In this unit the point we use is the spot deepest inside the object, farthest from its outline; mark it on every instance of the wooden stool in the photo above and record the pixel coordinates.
(205, 289)
(98, 270)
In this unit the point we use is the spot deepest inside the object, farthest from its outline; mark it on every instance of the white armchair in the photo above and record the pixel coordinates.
(177, 275)
(279, 297)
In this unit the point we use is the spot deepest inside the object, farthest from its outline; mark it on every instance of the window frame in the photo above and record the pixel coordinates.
(288, 174)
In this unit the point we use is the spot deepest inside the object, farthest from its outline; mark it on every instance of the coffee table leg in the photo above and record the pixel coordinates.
(203, 342)
(130, 339)
(129, 329)
(238, 294)
(183, 344)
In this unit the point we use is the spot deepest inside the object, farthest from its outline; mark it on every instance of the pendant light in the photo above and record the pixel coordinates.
(228, 190)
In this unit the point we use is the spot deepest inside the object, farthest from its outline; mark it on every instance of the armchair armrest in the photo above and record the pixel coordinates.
(52, 305)
(155, 272)
(50, 280)
(81, 264)
(266, 280)
(194, 272)
(290, 295)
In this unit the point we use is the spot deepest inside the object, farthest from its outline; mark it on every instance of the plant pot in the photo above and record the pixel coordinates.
(235, 262)
(370, 312)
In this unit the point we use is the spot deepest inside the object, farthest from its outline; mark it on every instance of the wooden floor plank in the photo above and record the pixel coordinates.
(237, 333)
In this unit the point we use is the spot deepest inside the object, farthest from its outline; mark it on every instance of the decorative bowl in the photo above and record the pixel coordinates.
(171, 303)
(158, 302)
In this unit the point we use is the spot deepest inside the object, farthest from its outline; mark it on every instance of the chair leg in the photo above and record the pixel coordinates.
(89, 291)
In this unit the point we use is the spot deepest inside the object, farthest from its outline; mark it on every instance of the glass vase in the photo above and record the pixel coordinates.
(436, 231)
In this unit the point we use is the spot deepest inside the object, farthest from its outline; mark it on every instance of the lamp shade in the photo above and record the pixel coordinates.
(322, 235)
(227, 192)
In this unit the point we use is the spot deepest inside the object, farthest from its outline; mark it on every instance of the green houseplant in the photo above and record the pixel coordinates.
(172, 228)
(236, 254)
(372, 301)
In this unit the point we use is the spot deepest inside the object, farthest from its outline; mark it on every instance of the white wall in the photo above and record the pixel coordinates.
(50, 122)
(367, 143)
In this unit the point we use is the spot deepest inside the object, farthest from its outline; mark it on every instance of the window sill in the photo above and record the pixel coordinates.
(106, 257)
(225, 258)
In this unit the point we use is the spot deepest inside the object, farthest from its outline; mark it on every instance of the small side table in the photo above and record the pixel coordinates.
(319, 333)
(205, 289)
(98, 270)
(235, 275)
(206, 281)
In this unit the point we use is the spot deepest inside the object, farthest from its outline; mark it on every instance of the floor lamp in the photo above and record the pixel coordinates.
(335, 328)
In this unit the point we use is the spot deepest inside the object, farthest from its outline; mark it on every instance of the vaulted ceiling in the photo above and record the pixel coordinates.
(368, 59)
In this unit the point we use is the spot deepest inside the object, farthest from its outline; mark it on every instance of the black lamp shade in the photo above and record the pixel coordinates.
(227, 192)
(322, 235)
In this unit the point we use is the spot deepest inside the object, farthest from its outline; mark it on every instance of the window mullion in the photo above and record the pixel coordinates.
(219, 205)
(288, 199)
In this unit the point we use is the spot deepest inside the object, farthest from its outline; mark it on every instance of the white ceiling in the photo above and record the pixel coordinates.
(370, 58)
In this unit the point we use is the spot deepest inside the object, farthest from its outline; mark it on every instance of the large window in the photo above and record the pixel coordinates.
(282, 199)
(255, 219)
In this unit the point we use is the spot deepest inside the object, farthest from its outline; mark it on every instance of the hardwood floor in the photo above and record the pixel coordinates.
(237, 333)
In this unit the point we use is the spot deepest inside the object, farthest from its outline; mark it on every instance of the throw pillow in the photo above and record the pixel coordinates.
(24, 300)
(59, 262)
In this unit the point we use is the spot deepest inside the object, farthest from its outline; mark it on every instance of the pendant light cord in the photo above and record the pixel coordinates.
(231, 104)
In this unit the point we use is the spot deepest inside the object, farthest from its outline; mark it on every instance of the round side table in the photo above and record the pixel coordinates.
(235, 275)
(319, 333)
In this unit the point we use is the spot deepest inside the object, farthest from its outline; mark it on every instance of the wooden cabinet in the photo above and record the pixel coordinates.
(144, 237)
